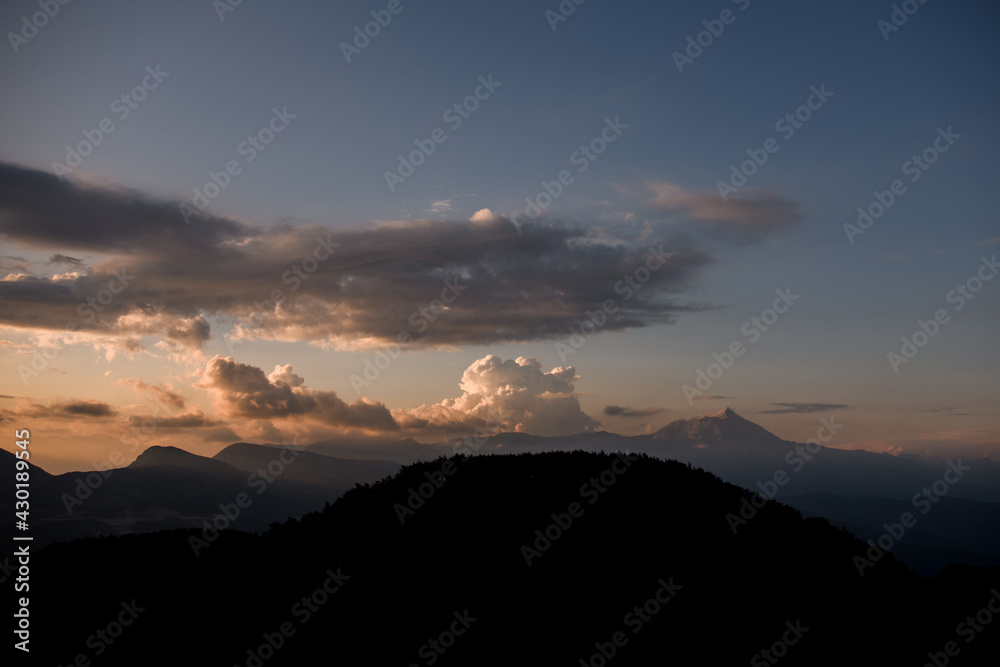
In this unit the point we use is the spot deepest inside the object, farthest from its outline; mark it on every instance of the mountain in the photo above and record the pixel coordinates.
(305, 467)
(178, 458)
(517, 443)
(952, 530)
(162, 490)
(402, 451)
(541, 559)
(721, 434)
(724, 429)
(168, 488)
(746, 454)
(8, 469)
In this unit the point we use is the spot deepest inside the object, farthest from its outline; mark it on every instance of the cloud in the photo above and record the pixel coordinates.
(39, 210)
(802, 408)
(715, 398)
(87, 409)
(953, 411)
(753, 215)
(244, 391)
(974, 443)
(369, 286)
(171, 398)
(63, 259)
(619, 411)
(483, 215)
(441, 206)
(195, 419)
(527, 398)
(73, 409)
(280, 407)
(518, 393)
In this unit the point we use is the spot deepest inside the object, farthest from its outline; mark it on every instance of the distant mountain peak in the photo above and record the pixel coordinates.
(175, 457)
(724, 427)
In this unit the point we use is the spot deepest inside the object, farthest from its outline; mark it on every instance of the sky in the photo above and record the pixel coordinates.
(559, 217)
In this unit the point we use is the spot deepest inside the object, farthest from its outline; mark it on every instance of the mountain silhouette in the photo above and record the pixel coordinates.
(955, 530)
(178, 458)
(168, 487)
(306, 467)
(402, 451)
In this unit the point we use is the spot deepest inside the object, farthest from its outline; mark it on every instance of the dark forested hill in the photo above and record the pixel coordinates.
(545, 559)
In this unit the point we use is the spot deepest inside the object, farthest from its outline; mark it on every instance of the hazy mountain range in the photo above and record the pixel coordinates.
(166, 487)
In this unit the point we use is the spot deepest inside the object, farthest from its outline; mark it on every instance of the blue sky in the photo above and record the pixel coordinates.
(557, 89)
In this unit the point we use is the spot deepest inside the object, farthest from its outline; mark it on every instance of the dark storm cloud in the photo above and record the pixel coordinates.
(802, 408)
(349, 288)
(39, 210)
